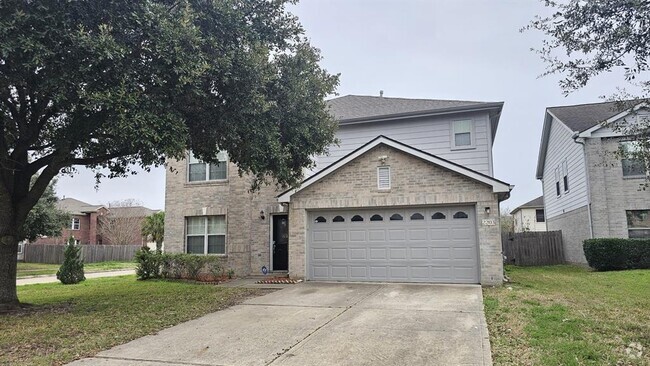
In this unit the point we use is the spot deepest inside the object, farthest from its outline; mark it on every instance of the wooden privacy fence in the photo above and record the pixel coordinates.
(533, 248)
(53, 254)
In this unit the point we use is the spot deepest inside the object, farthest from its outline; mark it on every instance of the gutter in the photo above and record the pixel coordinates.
(581, 140)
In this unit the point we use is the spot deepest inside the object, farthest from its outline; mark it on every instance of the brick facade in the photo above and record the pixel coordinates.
(247, 234)
(575, 229)
(611, 194)
(414, 182)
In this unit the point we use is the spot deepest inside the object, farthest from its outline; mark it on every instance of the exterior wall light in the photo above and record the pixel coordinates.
(262, 216)
(487, 210)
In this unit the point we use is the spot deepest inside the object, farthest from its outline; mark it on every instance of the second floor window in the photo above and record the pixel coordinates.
(199, 171)
(631, 167)
(565, 176)
(462, 134)
(75, 223)
(539, 215)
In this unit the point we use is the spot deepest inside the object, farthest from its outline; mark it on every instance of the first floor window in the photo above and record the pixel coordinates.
(539, 215)
(206, 234)
(75, 223)
(638, 223)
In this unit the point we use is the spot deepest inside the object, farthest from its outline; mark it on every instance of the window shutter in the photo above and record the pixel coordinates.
(383, 177)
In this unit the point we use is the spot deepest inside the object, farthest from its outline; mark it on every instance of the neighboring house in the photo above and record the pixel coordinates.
(408, 195)
(86, 219)
(21, 253)
(530, 216)
(588, 192)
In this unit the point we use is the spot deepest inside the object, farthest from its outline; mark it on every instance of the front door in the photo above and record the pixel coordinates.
(280, 244)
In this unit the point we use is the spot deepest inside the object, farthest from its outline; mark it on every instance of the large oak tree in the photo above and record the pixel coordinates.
(115, 85)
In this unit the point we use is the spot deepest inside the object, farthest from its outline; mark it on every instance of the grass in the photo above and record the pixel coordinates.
(42, 269)
(74, 321)
(567, 315)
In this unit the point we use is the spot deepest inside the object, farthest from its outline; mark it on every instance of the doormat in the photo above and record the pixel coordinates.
(278, 281)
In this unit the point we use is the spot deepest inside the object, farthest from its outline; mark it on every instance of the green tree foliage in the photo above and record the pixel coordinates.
(72, 269)
(119, 84)
(45, 219)
(154, 226)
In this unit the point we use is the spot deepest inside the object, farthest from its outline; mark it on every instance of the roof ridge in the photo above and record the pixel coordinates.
(585, 104)
(402, 98)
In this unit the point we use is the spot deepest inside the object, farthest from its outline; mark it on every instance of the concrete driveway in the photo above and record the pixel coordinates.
(325, 324)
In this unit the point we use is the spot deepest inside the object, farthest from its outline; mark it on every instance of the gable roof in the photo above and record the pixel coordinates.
(76, 207)
(580, 118)
(497, 185)
(584, 116)
(536, 203)
(132, 211)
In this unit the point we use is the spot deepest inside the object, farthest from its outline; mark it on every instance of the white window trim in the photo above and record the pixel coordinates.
(558, 183)
(379, 187)
(207, 171)
(78, 221)
(205, 236)
(565, 173)
(635, 176)
(472, 132)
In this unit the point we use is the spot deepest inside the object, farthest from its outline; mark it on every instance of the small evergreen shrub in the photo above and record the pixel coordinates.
(611, 254)
(148, 263)
(72, 269)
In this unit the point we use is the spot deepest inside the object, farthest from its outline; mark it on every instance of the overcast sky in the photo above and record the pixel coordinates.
(467, 50)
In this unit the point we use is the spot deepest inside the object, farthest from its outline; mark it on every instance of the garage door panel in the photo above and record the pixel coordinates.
(413, 249)
(340, 253)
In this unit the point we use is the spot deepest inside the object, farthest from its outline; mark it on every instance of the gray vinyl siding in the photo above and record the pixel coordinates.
(431, 134)
(560, 147)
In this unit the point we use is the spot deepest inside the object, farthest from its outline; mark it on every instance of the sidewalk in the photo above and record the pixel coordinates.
(51, 279)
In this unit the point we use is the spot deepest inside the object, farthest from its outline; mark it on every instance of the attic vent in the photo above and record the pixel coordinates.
(383, 177)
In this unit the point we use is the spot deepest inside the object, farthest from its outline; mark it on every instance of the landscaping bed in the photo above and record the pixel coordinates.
(75, 321)
(567, 315)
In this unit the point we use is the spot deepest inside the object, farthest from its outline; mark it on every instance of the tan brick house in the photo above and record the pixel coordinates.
(407, 196)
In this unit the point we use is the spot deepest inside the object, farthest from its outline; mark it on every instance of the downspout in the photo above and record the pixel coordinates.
(576, 139)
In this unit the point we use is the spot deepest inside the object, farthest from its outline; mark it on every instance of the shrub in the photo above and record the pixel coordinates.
(148, 263)
(193, 265)
(72, 269)
(609, 254)
(214, 267)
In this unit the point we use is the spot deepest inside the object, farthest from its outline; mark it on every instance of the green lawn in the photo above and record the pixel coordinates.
(41, 269)
(75, 321)
(566, 315)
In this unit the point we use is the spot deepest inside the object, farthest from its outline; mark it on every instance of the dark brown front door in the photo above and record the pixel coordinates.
(280, 243)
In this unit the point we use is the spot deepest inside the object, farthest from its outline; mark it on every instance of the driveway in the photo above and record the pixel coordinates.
(325, 324)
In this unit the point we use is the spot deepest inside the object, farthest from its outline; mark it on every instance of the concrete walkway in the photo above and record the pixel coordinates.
(325, 324)
(51, 279)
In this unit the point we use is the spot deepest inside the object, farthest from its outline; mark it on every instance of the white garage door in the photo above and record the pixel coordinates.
(436, 244)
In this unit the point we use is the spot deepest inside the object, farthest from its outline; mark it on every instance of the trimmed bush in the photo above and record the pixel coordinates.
(177, 266)
(610, 254)
(72, 269)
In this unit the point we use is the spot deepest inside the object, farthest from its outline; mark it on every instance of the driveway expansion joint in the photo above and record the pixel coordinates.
(158, 361)
(284, 351)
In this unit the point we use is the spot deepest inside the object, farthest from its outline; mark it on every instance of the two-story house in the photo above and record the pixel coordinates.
(589, 191)
(529, 216)
(407, 195)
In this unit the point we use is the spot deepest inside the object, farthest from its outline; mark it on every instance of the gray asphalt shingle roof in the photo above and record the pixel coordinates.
(361, 106)
(536, 203)
(584, 116)
(76, 207)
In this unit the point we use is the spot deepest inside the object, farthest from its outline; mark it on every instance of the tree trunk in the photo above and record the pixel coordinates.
(8, 260)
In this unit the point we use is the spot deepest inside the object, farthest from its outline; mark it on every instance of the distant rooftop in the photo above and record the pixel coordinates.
(76, 207)
(361, 106)
(536, 203)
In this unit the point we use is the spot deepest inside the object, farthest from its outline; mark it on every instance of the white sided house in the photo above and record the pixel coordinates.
(588, 191)
(529, 216)
(407, 196)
